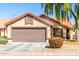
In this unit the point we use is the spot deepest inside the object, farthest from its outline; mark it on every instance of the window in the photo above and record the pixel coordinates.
(28, 20)
(57, 32)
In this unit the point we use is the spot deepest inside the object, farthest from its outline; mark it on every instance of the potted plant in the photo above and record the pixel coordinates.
(3, 40)
(56, 42)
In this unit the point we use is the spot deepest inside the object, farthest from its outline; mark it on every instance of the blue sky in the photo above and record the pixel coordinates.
(10, 10)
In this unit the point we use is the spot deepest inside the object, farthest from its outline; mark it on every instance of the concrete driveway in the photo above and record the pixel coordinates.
(66, 50)
(22, 46)
(37, 49)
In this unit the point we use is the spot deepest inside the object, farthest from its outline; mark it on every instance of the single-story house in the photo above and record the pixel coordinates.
(31, 28)
(62, 25)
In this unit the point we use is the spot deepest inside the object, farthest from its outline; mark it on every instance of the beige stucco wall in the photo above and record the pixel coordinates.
(64, 33)
(2, 33)
(72, 33)
(22, 23)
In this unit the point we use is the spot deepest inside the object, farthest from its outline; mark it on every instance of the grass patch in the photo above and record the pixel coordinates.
(71, 42)
(3, 38)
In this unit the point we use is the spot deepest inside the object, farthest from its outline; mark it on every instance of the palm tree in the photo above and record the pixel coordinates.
(75, 12)
(76, 16)
(63, 10)
(55, 8)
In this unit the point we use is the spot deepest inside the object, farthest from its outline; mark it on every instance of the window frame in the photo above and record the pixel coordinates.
(28, 20)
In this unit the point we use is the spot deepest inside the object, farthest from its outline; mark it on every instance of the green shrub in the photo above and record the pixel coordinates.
(3, 37)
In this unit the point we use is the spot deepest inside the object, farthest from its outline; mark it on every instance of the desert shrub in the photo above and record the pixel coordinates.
(56, 42)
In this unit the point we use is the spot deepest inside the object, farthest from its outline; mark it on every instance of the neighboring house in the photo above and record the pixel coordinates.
(2, 26)
(31, 28)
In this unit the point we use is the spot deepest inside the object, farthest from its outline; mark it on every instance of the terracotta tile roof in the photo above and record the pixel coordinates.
(31, 15)
(3, 22)
(65, 23)
(42, 18)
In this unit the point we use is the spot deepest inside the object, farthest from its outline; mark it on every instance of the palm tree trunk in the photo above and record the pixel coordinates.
(76, 22)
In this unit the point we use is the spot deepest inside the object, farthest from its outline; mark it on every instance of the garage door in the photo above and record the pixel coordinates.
(28, 34)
